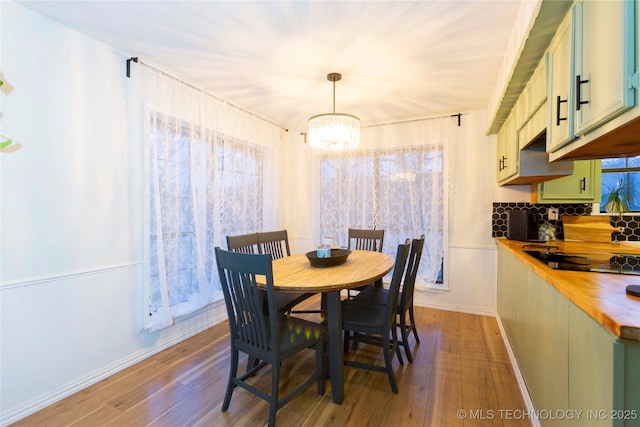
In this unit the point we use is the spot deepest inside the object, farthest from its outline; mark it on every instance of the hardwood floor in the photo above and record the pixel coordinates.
(460, 364)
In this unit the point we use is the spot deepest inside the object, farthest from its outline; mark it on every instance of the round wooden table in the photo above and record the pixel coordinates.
(295, 274)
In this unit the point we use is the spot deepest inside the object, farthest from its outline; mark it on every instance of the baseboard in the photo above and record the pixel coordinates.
(215, 314)
(535, 422)
(425, 302)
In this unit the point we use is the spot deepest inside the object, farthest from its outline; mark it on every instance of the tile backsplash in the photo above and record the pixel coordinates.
(630, 223)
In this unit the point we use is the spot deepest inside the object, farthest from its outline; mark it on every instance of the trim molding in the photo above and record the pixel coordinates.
(81, 273)
(214, 315)
(475, 247)
(425, 302)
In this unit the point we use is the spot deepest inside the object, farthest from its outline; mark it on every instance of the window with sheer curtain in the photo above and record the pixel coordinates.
(395, 182)
(210, 173)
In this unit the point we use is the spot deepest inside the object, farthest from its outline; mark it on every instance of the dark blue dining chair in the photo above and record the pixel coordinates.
(270, 338)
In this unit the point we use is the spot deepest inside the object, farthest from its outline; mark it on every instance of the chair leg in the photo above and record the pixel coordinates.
(252, 362)
(386, 350)
(405, 336)
(320, 365)
(347, 335)
(273, 399)
(233, 371)
(413, 324)
(394, 342)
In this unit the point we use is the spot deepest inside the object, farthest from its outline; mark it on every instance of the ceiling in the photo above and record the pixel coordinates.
(400, 60)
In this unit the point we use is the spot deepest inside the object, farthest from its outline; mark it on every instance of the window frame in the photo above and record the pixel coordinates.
(598, 208)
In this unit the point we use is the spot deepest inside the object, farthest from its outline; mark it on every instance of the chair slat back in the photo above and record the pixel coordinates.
(275, 243)
(394, 287)
(243, 243)
(411, 273)
(244, 300)
(365, 240)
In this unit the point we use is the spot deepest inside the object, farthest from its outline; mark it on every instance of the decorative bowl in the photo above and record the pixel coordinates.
(338, 256)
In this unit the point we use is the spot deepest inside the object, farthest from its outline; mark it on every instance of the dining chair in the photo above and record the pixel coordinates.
(275, 243)
(375, 295)
(244, 243)
(376, 324)
(271, 338)
(364, 240)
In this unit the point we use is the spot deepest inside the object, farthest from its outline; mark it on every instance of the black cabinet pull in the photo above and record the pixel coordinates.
(500, 165)
(583, 184)
(558, 118)
(504, 162)
(579, 84)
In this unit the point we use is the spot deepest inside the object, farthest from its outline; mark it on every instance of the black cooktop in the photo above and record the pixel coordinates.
(616, 263)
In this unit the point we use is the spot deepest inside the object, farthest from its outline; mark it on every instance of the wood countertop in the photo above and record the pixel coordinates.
(602, 296)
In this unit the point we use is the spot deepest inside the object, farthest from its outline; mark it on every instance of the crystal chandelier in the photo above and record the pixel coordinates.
(334, 131)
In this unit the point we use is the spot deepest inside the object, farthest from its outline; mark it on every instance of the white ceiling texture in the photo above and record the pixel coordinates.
(400, 60)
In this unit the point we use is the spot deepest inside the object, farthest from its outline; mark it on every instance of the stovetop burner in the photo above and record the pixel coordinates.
(616, 263)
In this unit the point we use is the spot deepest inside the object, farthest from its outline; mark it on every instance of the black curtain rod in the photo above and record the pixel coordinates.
(136, 60)
(458, 115)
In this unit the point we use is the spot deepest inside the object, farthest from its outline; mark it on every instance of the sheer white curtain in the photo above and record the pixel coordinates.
(211, 172)
(395, 181)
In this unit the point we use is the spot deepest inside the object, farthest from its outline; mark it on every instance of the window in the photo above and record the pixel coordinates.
(621, 172)
(203, 185)
(399, 190)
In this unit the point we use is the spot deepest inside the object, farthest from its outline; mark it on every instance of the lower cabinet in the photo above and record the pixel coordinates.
(577, 373)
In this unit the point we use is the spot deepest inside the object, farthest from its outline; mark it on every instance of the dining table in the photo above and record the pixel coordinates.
(296, 274)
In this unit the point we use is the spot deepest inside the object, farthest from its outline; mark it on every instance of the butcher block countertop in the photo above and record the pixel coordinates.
(601, 295)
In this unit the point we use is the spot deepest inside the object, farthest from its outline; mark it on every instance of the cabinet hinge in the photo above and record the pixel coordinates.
(633, 81)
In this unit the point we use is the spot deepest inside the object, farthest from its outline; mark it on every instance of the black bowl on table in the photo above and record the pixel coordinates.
(338, 256)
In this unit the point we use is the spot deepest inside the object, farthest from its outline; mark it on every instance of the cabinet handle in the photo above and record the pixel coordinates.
(583, 184)
(504, 162)
(558, 118)
(579, 84)
(500, 165)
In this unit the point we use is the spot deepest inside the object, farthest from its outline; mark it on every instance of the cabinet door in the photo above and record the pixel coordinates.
(560, 127)
(583, 186)
(507, 150)
(595, 384)
(604, 61)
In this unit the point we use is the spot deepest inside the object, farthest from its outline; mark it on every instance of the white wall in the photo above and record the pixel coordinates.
(71, 272)
(470, 265)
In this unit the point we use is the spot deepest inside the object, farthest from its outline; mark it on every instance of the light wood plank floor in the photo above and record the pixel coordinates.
(460, 364)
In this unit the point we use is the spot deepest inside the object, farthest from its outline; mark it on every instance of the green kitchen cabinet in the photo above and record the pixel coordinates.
(507, 149)
(559, 56)
(583, 186)
(569, 361)
(591, 70)
(604, 61)
(535, 317)
(593, 380)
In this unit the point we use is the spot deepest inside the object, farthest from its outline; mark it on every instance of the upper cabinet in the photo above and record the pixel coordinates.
(604, 61)
(583, 186)
(521, 155)
(560, 126)
(592, 79)
(507, 150)
(593, 82)
(591, 66)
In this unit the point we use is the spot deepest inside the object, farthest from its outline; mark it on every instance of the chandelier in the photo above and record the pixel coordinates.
(334, 131)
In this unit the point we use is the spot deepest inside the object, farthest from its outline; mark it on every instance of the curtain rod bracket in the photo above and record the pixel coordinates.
(459, 116)
(134, 59)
